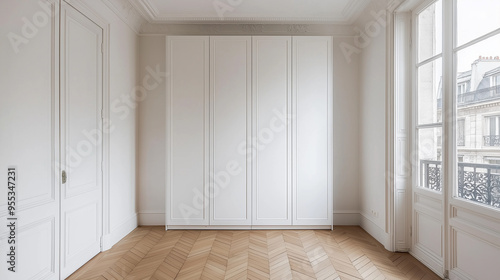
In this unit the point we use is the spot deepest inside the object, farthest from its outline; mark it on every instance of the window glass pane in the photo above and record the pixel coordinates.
(429, 92)
(429, 158)
(430, 31)
(479, 105)
(476, 18)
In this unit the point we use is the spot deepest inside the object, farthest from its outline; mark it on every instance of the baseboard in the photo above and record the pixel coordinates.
(151, 219)
(254, 227)
(119, 232)
(375, 231)
(340, 218)
(346, 218)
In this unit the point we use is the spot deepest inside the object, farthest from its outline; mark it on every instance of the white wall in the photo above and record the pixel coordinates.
(151, 133)
(372, 122)
(123, 50)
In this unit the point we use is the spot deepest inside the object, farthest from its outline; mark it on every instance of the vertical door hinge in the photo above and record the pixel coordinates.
(100, 242)
(102, 114)
(411, 231)
(63, 176)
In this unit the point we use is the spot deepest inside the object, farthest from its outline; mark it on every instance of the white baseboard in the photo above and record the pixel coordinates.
(340, 218)
(249, 227)
(346, 218)
(375, 231)
(151, 219)
(119, 232)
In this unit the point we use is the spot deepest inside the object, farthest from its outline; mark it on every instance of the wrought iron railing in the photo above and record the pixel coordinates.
(491, 140)
(476, 182)
(481, 95)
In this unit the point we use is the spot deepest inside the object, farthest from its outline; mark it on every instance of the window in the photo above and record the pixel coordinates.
(491, 135)
(476, 52)
(461, 132)
(469, 84)
(429, 73)
(462, 88)
(495, 81)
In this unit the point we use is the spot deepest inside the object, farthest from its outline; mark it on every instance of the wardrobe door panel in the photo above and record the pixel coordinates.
(313, 135)
(187, 130)
(231, 130)
(271, 68)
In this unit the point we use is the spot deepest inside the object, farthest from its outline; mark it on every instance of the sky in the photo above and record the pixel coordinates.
(476, 18)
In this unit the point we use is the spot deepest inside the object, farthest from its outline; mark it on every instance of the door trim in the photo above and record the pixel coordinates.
(83, 8)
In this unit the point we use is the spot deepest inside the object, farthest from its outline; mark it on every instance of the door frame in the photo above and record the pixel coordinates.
(90, 13)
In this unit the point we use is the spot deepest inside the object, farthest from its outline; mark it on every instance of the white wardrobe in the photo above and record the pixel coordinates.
(249, 132)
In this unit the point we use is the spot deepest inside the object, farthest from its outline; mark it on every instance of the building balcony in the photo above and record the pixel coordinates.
(473, 97)
(491, 140)
(476, 182)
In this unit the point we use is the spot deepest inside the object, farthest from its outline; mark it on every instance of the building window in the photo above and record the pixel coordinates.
(495, 81)
(492, 130)
(462, 88)
(461, 132)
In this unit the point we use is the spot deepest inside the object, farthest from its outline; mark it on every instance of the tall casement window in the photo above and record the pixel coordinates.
(429, 73)
(474, 97)
(451, 63)
(476, 54)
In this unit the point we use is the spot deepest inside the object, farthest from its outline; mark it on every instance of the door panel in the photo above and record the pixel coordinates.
(313, 102)
(187, 130)
(272, 192)
(81, 155)
(29, 125)
(230, 102)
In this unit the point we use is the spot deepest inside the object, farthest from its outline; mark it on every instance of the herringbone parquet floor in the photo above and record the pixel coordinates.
(344, 253)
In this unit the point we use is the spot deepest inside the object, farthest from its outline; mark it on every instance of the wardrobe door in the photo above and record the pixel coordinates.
(272, 192)
(187, 174)
(231, 130)
(313, 135)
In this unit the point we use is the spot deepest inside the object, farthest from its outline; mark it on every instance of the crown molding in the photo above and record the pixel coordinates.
(196, 19)
(151, 14)
(127, 13)
(248, 29)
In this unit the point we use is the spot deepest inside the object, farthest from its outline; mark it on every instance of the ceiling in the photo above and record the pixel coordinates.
(250, 11)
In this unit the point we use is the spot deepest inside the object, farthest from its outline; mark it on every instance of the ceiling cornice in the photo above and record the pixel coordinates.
(127, 13)
(148, 10)
(143, 18)
(248, 29)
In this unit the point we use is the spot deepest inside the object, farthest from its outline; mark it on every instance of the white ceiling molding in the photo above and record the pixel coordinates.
(246, 11)
(126, 12)
(248, 29)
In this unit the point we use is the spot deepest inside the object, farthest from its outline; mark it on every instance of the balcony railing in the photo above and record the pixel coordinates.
(491, 140)
(472, 97)
(476, 182)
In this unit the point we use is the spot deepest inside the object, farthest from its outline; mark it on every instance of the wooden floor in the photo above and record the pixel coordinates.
(344, 253)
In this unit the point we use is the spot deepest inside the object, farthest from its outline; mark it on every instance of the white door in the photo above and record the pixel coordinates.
(313, 130)
(187, 135)
(230, 93)
(272, 184)
(81, 139)
(29, 125)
